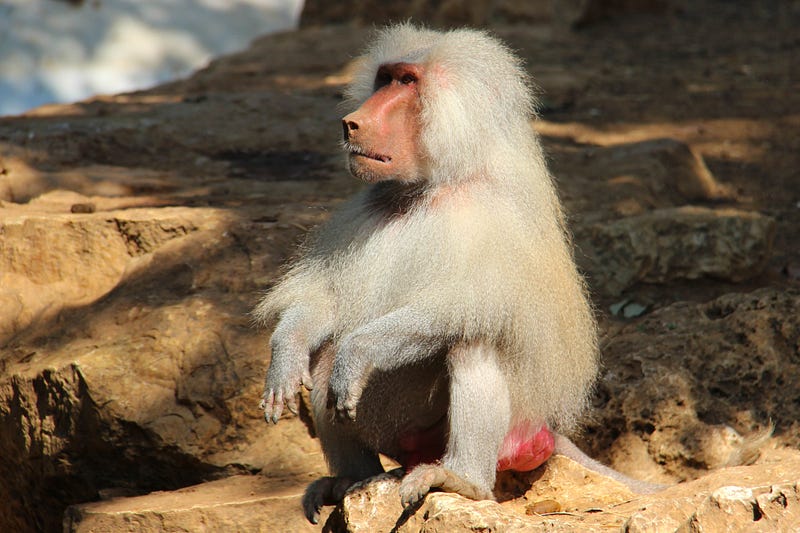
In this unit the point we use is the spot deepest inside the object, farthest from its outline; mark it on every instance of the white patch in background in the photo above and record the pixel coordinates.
(56, 51)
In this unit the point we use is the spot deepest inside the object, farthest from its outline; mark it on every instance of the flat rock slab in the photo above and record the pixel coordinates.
(762, 497)
(237, 503)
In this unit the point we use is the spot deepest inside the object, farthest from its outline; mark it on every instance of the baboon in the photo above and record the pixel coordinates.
(438, 316)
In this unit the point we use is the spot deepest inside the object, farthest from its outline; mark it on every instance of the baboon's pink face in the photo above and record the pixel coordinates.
(382, 136)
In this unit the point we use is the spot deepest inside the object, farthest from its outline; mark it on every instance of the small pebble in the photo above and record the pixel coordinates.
(543, 507)
(82, 208)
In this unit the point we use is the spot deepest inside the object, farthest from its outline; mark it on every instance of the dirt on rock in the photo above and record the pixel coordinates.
(138, 230)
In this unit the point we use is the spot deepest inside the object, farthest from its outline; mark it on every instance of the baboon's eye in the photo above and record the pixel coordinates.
(408, 79)
(382, 78)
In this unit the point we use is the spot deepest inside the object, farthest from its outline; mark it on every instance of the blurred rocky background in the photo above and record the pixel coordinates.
(137, 231)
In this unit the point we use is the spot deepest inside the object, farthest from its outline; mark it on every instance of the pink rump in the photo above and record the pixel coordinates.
(525, 447)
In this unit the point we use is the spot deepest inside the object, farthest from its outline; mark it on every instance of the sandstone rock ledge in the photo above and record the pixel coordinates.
(565, 498)
(764, 498)
(237, 503)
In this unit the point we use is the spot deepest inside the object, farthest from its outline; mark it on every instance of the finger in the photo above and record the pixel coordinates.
(312, 504)
(350, 410)
(266, 404)
(291, 404)
(277, 408)
(308, 383)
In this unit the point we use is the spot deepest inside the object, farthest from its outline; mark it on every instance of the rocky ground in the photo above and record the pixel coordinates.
(137, 230)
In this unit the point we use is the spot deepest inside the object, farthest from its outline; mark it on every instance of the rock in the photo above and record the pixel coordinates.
(238, 503)
(769, 508)
(581, 13)
(375, 507)
(780, 506)
(370, 506)
(764, 508)
(69, 432)
(674, 243)
(98, 249)
(366, 12)
(521, 11)
(663, 516)
(725, 507)
(565, 481)
(601, 183)
(666, 167)
(447, 13)
(137, 367)
(695, 381)
(453, 13)
(449, 512)
(635, 221)
(594, 504)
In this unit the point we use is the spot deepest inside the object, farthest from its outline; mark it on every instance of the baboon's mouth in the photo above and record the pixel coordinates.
(369, 154)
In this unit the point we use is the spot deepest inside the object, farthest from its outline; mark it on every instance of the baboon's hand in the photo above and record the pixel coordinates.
(347, 381)
(284, 377)
(343, 394)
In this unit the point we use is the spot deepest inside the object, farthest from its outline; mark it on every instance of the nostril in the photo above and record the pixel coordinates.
(347, 127)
